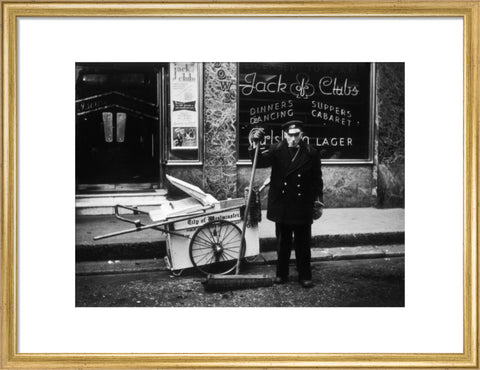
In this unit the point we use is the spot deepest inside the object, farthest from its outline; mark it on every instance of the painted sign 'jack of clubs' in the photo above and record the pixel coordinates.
(302, 89)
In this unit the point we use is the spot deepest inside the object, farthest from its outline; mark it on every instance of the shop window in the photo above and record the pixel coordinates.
(334, 100)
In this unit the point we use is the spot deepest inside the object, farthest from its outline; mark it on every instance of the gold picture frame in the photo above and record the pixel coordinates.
(467, 10)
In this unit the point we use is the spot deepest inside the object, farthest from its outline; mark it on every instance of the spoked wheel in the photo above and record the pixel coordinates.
(216, 246)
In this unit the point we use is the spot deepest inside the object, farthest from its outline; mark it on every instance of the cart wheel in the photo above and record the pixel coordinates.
(215, 247)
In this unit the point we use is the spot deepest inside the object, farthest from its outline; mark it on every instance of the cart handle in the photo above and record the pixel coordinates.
(135, 211)
(156, 225)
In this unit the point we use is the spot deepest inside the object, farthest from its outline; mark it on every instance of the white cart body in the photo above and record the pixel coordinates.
(178, 256)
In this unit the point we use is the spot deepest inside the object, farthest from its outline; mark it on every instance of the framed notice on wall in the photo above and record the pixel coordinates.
(184, 106)
(332, 99)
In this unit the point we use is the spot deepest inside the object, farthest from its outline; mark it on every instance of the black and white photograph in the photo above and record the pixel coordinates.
(239, 184)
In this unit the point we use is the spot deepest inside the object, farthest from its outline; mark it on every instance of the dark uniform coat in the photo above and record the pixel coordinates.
(295, 183)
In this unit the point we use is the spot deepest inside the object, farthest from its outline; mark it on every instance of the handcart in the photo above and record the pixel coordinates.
(201, 231)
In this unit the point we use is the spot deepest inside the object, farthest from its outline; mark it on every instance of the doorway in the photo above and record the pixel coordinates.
(118, 126)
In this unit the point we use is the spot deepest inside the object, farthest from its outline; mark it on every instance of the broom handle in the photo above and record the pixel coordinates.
(247, 206)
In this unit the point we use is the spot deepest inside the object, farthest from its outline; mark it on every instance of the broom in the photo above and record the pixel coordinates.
(217, 283)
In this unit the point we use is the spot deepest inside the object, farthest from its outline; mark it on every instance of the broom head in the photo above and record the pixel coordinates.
(219, 283)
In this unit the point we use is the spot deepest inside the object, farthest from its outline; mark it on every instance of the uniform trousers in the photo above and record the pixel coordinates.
(299, 236)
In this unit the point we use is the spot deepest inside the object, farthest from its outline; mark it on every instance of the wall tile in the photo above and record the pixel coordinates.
(390, 117)
(220, 129)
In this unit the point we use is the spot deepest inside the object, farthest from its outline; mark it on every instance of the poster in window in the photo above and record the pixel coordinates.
(184, 105)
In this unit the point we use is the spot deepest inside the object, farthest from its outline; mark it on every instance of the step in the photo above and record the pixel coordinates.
(103, 204)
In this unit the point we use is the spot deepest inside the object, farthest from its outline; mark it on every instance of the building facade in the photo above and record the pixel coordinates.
(137, 122)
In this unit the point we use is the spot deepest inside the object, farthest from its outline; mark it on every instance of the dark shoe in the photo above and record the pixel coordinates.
(281, 280)
(306, 283)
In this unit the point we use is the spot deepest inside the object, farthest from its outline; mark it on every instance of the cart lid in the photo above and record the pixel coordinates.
(197, 203)
(194, 191)
(177, 208)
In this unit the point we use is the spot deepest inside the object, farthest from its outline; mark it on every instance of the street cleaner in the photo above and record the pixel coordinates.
(295, 198)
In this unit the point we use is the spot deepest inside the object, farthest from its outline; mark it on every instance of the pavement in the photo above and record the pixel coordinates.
(341, 233)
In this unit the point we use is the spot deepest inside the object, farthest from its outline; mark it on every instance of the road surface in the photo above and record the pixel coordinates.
(349, 283)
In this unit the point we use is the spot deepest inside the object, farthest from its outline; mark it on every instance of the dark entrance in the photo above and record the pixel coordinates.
(118, 126)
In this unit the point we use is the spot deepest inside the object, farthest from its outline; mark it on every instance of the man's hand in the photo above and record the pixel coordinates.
(317, 210)
(255, 136)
